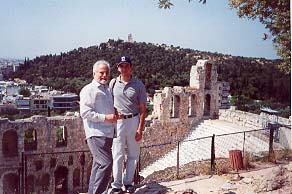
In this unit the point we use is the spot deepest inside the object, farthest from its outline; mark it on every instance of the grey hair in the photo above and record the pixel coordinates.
(100, 62)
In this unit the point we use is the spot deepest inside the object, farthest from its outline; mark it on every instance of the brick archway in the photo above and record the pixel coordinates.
(61, 180)
(10, 143)
(207, 105)
(10, 183)
(175, 106)
(192, 105)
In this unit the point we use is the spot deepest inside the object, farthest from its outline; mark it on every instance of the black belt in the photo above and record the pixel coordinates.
(129, 116)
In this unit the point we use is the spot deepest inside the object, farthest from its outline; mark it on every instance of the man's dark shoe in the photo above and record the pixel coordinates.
(116, 191)
(130, 188)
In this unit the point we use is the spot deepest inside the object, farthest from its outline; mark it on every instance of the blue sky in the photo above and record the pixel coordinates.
(31, 28)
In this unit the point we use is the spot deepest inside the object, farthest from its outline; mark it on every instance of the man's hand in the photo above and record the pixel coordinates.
(111, 118)
(118, 114)
(138, 135)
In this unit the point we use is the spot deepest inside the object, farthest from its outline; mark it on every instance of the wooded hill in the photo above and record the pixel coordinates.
(159, 66)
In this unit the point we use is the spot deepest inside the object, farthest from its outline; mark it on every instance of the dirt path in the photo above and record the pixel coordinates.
(264, 178)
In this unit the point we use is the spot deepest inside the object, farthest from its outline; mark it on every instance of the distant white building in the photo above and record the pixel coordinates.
(23, 103)
(224, 92)
(40, 103)
(130, 38)
(65, 102)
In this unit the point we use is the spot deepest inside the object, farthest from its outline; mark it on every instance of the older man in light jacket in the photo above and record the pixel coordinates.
(99, 120)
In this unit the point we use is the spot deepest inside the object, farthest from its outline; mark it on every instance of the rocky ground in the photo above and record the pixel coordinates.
(267, 178)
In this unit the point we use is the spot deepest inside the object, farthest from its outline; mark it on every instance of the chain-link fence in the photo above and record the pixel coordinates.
(69, 172)
(212, 154)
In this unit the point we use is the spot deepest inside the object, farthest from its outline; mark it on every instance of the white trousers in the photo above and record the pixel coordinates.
(126, 131)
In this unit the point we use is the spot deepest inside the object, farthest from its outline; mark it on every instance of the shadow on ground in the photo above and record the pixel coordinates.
(152, 188)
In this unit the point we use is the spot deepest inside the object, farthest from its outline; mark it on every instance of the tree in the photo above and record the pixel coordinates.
(274, 14)
(166, 4)
(24, 91)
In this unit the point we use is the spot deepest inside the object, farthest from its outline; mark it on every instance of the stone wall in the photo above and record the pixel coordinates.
(45, 139)
(255, 121)
(179, 104)
(176, 109)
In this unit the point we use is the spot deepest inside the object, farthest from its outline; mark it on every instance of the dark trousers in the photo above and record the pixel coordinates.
(100, 148)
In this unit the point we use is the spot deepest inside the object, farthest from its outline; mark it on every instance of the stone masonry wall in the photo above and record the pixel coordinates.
(46, 138)
(176, 110)
(255, 121)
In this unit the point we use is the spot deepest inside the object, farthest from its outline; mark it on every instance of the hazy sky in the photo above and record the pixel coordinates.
(30, 28)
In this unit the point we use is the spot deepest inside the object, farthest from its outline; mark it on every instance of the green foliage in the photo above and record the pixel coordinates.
(29, 136)
(254, 106)
(24, 91)
(159, 66)
(166, 4)
(255, 79)
(59, 132)
(233, 100)
(149, 109)
(275, 15)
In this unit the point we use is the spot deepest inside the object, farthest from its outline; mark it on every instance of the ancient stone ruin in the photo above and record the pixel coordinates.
(176, 109)
(23, 141)
(32, 143)
(49, 154)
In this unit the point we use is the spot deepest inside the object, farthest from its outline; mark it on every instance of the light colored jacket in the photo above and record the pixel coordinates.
(95, 102)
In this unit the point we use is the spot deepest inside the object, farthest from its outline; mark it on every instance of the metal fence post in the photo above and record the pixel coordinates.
(82, 162)
(25, 173)
(213, 153)
(139, 167)
(137, 170)
(243, 144)
(271, 149)
(177, 161)
(22, 173)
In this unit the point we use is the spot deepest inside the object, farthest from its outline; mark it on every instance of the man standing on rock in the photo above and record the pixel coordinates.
(99, 120)
(130, 101)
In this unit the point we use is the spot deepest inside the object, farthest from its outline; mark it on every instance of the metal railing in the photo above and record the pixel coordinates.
(65, 172)
(216, 147)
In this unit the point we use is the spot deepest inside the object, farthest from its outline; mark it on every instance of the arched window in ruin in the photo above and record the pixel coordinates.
(45, 182)
(76, 178)
(10, 143)
(171, 107)
(61, 180)
(53, 162)
(39, 164)
(70, 160)
(30, 140)
(208, 76)
(175, 106)
(10, 183)
(61, 136)
(30, 184)
(192, 105)
(207, 105)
